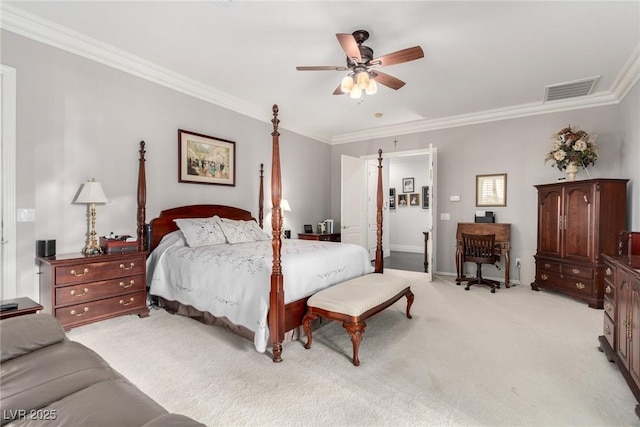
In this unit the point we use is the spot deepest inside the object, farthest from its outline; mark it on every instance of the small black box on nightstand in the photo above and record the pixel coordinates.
(45, 248)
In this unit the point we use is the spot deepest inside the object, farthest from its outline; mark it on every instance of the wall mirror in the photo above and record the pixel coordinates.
(491, 190)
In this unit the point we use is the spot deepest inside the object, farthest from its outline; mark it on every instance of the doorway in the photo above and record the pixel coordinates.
(423, 213)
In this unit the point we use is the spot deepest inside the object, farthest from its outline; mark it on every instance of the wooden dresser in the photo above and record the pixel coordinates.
(620, 340)
(577, 222)
(79, 289)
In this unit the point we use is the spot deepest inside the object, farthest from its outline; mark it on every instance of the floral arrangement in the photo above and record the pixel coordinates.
(572, 145)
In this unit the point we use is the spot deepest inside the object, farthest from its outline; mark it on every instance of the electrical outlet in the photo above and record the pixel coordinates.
(517, 262)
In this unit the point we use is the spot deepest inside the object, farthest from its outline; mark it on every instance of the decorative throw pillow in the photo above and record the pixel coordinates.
(201, 231)
(238, 231)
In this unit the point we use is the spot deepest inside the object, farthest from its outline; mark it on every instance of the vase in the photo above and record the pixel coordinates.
(571, 170)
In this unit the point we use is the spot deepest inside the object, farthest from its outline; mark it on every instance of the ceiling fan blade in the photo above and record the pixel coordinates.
(349, 46)
(323, 68)
(338, 91)
(387, 80)
(400, 56)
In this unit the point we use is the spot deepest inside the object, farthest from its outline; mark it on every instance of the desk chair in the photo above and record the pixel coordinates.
(480, 249)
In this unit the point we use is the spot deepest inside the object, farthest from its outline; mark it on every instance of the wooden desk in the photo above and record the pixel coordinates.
(25, 306)
(503, 244)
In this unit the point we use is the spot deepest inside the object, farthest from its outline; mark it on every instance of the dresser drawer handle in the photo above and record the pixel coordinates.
(580, 285)
(607, 330)
(544, 276)
(547, 265)
(75, 313)
(127, 303)
(608, 271)
(84, 292)
(131, 283)
(607, 290)
(608, 307)
(75, 273)
(131, 265)
(576, 271)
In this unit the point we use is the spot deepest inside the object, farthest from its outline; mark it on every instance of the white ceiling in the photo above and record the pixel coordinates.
(483, 60)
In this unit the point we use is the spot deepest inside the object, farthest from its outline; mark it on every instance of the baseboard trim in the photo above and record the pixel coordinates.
(407, 248)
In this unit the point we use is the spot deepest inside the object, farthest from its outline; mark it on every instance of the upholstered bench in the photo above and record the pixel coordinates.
(354, 301)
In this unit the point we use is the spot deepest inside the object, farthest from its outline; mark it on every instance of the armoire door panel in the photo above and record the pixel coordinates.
(550, 223)
(579, 229)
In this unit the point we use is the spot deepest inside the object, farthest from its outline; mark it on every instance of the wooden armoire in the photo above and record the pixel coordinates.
(577, 222)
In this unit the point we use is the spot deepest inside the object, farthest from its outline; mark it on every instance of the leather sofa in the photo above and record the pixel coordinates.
(44, 376)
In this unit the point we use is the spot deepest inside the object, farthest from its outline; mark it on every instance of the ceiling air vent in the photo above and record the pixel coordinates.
(570, 89)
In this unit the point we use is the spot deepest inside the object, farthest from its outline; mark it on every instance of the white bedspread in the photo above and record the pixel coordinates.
(233, 281)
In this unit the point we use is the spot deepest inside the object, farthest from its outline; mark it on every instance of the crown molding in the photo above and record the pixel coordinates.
(28, 25)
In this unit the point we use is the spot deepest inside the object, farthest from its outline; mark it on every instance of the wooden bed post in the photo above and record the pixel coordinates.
(142, 198)
(276, 295)
(379, 263)
(261, 197)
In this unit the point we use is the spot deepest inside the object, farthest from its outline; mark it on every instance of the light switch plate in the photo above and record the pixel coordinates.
(445, 216)
(26, 215)
(454, 198)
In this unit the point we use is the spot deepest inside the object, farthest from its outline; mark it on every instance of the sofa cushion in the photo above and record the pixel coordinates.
(41, 377)
(108, 403)
(173, 420)
(24, 334)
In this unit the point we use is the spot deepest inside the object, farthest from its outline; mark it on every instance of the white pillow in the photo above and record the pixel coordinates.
(201, 231)
(238, 231)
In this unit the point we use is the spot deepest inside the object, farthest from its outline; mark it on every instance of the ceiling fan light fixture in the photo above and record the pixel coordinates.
(356, 92)
(347, 84)
(362, 79)
(372, 87)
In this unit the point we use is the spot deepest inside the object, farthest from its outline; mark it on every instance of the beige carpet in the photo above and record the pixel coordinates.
(513, 358)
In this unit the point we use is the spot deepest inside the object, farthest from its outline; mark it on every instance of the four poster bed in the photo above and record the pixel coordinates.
(244, 260)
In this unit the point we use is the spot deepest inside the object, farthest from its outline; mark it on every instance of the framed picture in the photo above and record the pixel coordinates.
(414, 199)
(407, 185)
(308, 228)
(392, 198)
(402, 200)
(204, 159)
(491, 190)
(425, 197)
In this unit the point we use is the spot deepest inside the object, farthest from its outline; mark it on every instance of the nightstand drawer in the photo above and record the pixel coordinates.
(76, 294)
(90, 272)
(95, 310)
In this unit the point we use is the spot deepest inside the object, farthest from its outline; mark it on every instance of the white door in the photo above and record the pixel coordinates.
(432, 210)
(353, 194)
(8, 187)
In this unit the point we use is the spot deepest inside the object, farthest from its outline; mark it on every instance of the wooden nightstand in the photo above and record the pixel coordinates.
(79, 289)
(25, 306)
(326, 237)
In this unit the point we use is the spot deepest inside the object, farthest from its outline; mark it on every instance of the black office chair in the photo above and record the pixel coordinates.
(480, 249)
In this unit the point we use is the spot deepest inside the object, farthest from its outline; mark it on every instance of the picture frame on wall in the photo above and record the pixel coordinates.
(414, 199)
(407, 185)
(392, 198)
(204, 159)
(425, 197)
(491, 190)
(403, 200)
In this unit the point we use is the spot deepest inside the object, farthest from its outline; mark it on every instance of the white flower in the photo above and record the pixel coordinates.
(556, 146)
(559, 155)
(580, 145)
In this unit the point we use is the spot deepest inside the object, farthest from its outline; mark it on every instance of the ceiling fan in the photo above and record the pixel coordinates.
(362, 67)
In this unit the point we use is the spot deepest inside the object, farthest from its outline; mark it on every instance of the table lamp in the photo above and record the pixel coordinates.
(91, 193)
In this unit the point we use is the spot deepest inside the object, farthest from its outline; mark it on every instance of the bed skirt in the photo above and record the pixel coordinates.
(174, 307)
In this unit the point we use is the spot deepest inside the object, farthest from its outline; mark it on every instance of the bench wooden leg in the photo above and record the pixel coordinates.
(306, 324)
(356, 330)
(409, 302)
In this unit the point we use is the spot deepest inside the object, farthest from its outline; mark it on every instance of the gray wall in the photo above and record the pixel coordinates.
(78, 119)
(516, 147)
